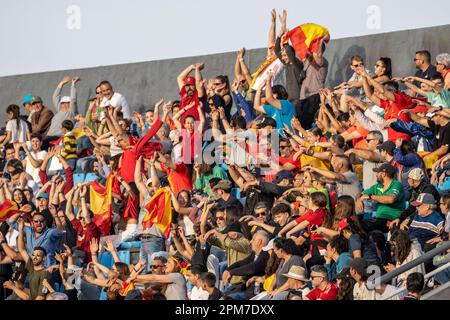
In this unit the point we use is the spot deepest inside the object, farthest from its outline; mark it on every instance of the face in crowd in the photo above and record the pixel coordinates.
(107, 91)
(37, 257)
(38, 223)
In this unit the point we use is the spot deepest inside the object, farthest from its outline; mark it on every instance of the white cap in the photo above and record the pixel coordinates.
(65, 99)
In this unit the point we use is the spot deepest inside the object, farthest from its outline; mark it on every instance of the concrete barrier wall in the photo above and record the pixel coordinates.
(145, 82)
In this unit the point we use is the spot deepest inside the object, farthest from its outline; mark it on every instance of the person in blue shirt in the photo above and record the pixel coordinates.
(427, 223)
(40, 236)
(275, 104)
(337, 256)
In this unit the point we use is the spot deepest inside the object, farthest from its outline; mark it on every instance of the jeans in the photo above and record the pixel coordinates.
(443, 277)
(149, 247)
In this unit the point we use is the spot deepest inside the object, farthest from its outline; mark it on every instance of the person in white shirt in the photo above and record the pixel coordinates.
(34, 157)
(16, 128)
(197, 292)
(114, 99)
(359, 273)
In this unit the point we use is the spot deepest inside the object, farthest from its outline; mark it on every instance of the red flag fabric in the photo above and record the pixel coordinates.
(159, 212)
(306, 38)
(7, 209)
(101, 202)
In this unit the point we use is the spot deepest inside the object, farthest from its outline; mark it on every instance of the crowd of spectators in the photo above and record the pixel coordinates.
(288, 190)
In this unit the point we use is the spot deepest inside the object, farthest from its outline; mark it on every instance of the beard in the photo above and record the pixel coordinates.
(380, 180)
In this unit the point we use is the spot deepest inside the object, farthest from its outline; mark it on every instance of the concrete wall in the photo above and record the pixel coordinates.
(145, 82)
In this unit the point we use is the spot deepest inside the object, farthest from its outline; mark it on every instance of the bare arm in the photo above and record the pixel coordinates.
(183, 75)
(257, 104)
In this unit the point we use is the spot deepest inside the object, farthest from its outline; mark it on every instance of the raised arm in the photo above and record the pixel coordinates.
(20, 241)
(257, 104)
(270, 99)
(199, 83)
(183, 75)
(56, 97)
(369, 92)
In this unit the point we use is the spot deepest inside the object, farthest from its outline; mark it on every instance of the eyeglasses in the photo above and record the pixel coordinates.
(358, 65)
(38, 221)
(155, 267)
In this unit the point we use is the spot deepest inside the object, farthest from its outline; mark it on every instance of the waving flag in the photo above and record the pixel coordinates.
(7, 209)
(101, 202)
(272, 64)
(306, 38)
(159, 212)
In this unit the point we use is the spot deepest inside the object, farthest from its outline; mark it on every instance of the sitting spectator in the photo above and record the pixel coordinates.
(208, 280)
(298, 283)
(42, 117)
(337, 252)
(414, 284)
(358, 272)
(322, 288)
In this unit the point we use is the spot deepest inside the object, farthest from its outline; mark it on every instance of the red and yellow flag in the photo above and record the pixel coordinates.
(306, 38)
(159, 212)
(101, 204)
(7, 209)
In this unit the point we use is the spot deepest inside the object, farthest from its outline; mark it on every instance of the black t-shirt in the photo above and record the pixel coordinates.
(427, 74)
(231, 202)
(200, 256)
(215, 295)
(442, 133)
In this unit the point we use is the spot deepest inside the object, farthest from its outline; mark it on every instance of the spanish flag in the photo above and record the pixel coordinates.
(271, 64)
(159, 212)
(126, 287)
(101, 202)
(7, 209)
(306, 38)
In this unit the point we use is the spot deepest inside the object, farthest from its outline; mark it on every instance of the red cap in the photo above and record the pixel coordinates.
(342, 225)
(189, 80)
(420, 108)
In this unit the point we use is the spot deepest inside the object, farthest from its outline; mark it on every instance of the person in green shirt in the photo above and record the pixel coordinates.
(389, 196)
(204, 173)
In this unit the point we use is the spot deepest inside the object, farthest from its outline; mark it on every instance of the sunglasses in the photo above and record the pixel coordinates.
(243, 81)
(38, 221)
(217, 84)
(358, 65)
(368, 140)
(284, 147)
(260, 214)
(220, 218)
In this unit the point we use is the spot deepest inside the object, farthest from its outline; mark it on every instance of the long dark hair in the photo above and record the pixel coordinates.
(345, 208)
(387, 65)
(24, 198)
(288, 246)
(272, 264)
(346, 286)
(407, 147)
(15, 110)
(400, 245)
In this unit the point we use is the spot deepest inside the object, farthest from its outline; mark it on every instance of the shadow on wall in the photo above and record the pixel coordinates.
(341, 66)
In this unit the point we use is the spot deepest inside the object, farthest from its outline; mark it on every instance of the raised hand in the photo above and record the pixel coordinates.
(65, 80)
(274, 15)
(93, 245)
(75, 80)
(109, 246)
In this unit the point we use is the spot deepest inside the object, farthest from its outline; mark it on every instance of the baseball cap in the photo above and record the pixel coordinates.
(359, 264)
(420, 109)
(416, 174)
(283, 175)
(423, 198)
(189, 80)
(223, 185)
(343, 224)
(35, 99)
(65, 99)
(267, 121)
(27, 99)
(386, 168)
(42, 195)
(387, 146)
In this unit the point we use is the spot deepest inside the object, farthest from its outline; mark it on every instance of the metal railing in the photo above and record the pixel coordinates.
(427, 276)
(371, 285)
(436, 291)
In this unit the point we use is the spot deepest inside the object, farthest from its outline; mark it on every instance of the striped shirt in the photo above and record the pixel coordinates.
(426, 228)
(69, 150)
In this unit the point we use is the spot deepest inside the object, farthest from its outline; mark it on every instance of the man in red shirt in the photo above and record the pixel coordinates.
(323, 289)
(388, 97)
(191, 89)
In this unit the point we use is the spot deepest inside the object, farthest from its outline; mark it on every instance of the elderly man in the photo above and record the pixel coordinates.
(418, 183)
(41, 118)
(65, 106)
(253, 265)
(298, 283)
(427, 223)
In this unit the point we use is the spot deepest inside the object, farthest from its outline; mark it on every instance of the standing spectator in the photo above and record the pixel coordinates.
(114, 99)
(16, 128)
(443, 67)
(42, 117)
(425, 69)
(34, 157)
(69, 144)
(66, 108)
